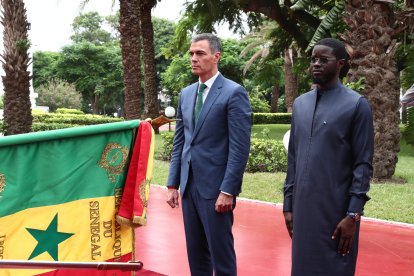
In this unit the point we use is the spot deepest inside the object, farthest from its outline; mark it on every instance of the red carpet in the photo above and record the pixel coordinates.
(262, 243)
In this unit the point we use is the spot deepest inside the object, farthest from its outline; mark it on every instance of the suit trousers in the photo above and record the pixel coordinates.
(209, 237)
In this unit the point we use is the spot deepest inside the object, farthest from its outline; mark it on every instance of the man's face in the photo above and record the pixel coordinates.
(325, 66)
(204, 63)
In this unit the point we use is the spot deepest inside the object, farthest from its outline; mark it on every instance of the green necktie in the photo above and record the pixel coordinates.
(199, 104)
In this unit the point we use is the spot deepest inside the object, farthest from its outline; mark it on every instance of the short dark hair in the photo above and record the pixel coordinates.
(339, 51)
(213, 41)
(338, 48)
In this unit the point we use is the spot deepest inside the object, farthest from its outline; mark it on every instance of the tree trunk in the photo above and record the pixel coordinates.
(15, 60)
(150, 75)
(370, 35)
(275, 98)
(291, 79)
(129, 29)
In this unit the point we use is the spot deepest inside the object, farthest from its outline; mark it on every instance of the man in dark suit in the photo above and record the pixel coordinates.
(329, 168)
(210, 152)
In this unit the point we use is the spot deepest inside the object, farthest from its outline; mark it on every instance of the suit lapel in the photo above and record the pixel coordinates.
(214, 92)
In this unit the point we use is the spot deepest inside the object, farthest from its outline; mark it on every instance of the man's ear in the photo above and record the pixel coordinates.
(217, 56)
(341, 63)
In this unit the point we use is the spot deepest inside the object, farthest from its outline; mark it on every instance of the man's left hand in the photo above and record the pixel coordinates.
(224, 203)
(346, 231)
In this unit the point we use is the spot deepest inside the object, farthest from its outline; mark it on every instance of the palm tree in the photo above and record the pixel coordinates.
(291, 78)
(15, 60)
(130, 32)
(371, 29)
(150, 75)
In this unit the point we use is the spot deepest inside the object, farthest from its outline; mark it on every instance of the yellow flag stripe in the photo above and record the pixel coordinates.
(96, 234)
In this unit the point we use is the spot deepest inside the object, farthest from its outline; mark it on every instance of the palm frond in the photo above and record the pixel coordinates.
(251, 46)
(252, 60)
(326, 24)
(301, 5)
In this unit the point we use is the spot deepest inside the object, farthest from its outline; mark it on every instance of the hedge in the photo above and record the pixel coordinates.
(265, 155)
(69, 111)
(73, 119)
(272, 118)
(43, 121)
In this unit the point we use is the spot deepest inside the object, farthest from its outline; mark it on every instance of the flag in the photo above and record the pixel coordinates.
(134, 202)
(60, 192)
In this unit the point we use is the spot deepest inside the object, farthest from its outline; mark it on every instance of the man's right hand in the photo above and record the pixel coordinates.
(172, 197)
(289, 222)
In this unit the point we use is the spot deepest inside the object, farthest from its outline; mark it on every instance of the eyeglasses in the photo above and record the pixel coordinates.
(321, 60)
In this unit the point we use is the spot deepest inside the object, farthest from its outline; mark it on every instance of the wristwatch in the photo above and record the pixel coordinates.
(355, 215)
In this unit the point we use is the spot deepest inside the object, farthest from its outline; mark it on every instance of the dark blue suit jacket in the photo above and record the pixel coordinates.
(218, 146)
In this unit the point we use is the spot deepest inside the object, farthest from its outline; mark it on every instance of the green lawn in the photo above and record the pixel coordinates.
(389, 201)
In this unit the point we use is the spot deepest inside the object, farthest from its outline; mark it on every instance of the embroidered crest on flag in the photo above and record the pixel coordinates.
(113, 160)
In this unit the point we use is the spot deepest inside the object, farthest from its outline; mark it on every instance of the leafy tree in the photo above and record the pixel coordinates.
(231, 65)
(15, 59)
(96, 72)
(88, 27)
(1, 102)
(113, 22)
(257, 97)
(164, 31)
(59, 94)
(178, 75)
(299, 24)
(44, 67)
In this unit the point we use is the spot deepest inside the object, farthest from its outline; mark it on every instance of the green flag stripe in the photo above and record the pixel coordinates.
(66, 133)
(63, 170)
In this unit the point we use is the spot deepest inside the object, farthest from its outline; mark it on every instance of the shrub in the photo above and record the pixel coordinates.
(43, 121)
(69, 111)
(59, 94)
(46, 126)
(49, 121)
(74, 119)
(271, 118)
(167, 145)
(266, 155)
(259, 105)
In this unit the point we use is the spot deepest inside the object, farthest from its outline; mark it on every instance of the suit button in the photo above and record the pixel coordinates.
(188, 162)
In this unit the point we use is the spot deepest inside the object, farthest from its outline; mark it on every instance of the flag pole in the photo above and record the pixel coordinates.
(22, 264)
